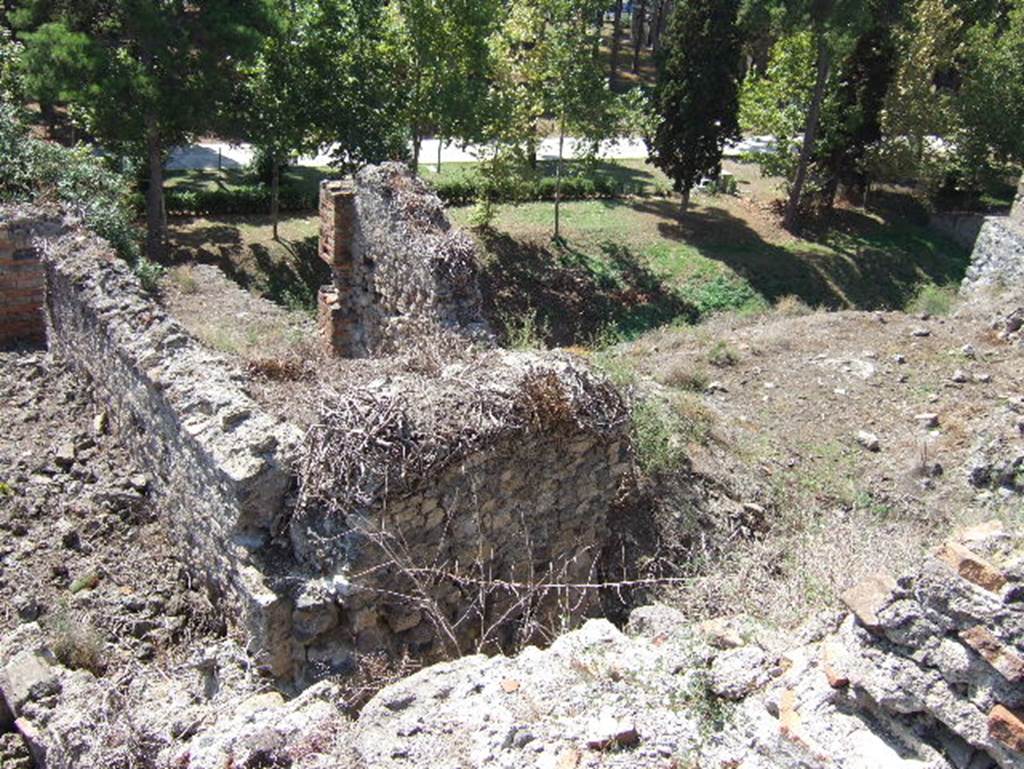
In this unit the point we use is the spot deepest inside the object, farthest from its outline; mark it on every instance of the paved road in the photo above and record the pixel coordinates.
(205, 155)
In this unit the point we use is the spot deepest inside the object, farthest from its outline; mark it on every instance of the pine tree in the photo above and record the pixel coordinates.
(697, 94)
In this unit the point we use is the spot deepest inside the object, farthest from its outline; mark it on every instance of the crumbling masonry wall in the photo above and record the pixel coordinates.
(401, 273)
(998, 256)
(456, 499)
(424, 508)
(221, 465)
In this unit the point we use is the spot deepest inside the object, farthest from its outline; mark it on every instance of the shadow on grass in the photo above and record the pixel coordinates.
(293, 283)
(847, 259)
(574, 296)
(291, 279)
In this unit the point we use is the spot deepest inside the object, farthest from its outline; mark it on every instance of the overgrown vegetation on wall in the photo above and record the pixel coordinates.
(33, 170)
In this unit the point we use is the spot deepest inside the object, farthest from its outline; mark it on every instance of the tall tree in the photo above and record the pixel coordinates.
(852, 123)
(638, 19)
(145, 74)
(616, 42)
(830, 21)
(443, 57)
(990, 104)
(697, 94)
(274, 107)
(543, 66)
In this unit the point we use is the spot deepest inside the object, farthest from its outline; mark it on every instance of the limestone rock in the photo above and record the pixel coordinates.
(738, 672)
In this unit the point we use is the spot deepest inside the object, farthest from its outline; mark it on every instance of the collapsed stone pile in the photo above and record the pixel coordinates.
(925, 672)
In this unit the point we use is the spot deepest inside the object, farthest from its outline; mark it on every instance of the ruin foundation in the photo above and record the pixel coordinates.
(440, 509)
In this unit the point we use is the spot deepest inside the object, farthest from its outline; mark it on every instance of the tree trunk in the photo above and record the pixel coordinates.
(810, 134)
(440, 144)
(638, 34)
(156, 235)
(416, 150)
(275, 193)
(616, 31)
(685, 203)
(664, 10)
(558, 178)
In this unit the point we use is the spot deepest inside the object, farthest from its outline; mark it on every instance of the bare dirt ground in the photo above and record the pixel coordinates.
(81, 550)
(787, 401)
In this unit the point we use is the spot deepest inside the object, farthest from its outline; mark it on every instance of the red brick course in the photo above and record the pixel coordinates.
(21, 291)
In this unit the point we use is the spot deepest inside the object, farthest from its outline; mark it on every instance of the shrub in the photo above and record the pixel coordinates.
(78, 645)
(656, 437)
(249, 200)
(933, 299)
(722, 355)
(684, 377)
(36, 170)
(791, 306)
(149, 274)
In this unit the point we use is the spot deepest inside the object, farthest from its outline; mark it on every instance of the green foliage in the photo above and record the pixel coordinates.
(543, 64)
(442, 58)
(140, 76)
(991, 98)
(12, 80)
(655, 436)
(149, 274)
(235, 200)
(697, 92)
(722, 354)
(35, 170)
(934, 300)
(524, 332)
(776, 102)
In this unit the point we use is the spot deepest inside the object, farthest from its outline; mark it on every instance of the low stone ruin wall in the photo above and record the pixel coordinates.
(221, 465)
(998, 257)
(21, 279)
(459, 500)
(403, 277)
(438, 509)
(962, 228)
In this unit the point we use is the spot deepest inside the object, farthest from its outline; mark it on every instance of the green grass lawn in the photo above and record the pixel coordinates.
(625, 266)
(304, 178)
(636, 264)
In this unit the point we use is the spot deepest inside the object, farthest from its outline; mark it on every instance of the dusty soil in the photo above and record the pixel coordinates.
(81, 550)
(787, 398)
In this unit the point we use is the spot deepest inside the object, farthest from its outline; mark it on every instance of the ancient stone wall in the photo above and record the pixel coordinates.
(21, 280)
(429, 505)
(998, 257)
(222, 467)
(402, 274)
(495, 475)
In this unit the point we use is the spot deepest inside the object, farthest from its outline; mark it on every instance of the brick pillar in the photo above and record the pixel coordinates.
(21, 288)
(339, 320)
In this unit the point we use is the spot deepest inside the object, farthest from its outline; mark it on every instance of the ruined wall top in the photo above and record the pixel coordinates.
(402, 274)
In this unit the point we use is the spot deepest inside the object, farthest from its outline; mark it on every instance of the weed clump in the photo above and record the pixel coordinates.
(933, 300)
(76, 644)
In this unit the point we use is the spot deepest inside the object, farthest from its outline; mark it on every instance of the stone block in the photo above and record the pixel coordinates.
(971, 567)
(1003, 659)
(1007, 727)
(27, 677)
(869, 597)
